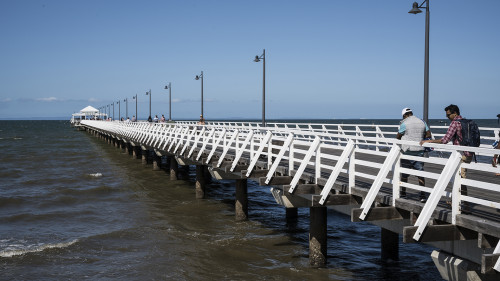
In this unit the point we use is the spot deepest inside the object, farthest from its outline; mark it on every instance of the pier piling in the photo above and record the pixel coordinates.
(200, 181)
(136, 152)
(174, 166)
(241, 202)
(317, 236)
(156, 162)
(389, 248)
(145, 155)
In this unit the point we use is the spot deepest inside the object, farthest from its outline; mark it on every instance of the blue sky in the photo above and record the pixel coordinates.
(324, 59)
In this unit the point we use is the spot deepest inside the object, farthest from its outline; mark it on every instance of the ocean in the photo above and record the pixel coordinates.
(74, 207)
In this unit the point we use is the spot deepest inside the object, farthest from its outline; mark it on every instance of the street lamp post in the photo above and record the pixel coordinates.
(257, 59)
(169, 87)
(416, 10)
(113, 104)
(119, 110)
(149, 94)
(109, 110)
(198, 78)
(136, 116)
(126, 107)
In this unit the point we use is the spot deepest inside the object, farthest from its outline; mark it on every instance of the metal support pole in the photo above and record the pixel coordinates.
(426, 70)
(202, 94)
(169, 101)
(264, 88)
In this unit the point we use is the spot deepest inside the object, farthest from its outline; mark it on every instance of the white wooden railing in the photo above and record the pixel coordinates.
(327, 151)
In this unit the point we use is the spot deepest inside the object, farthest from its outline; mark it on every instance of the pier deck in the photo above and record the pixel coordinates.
(353, 170)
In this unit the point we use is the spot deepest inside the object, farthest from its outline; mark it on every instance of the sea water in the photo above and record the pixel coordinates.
(75, 207)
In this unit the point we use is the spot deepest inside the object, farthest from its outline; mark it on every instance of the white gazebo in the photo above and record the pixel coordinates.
(88, 113)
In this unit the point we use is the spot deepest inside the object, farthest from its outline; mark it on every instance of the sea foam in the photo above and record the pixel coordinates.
(17, 249)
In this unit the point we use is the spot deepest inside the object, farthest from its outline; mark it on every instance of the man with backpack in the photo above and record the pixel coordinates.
(461, 132)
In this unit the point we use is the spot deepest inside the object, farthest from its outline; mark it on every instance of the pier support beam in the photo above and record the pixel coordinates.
(389, 245)
(174, 166)
(136, 152)
(317, 236)
(145, 155)
(156, 162)
(291, 215)
(200, 181)
(241, 202)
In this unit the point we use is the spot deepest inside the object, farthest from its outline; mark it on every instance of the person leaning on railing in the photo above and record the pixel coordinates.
(454, 134)
(412, 129)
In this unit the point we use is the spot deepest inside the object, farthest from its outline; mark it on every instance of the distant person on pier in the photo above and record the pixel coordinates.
(128, 120)
(162, 119)
(121, 119)
(134, 119)
(412, 129)
(496, 158)
(454, 134)
(202, 120)
(155, 119)
(150, 119)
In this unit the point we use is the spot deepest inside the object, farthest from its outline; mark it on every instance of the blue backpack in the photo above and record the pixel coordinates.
(470, 133)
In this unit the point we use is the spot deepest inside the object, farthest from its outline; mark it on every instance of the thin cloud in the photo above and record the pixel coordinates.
(49, 99)
(5, 100)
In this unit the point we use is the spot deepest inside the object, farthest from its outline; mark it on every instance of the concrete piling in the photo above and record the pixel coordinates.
(292, 215)
(136, 152)
(156, 162)
(174, 166)
(241, 202)
(389, 248)
(317, 236)
(145, 155)
(200, 181)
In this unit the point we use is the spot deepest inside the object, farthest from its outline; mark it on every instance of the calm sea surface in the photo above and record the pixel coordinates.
(59, 220)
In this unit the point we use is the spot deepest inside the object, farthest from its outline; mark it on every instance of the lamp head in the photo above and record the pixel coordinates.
(197, 77)
(257, 59)
(166, 87)
(415, 10)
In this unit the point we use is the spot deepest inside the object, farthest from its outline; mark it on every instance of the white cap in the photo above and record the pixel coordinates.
(405, 110)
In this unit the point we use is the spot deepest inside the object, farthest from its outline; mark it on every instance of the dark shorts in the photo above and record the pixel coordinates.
(411, 164)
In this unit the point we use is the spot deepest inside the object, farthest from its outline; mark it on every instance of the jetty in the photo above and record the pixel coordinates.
(353, 169)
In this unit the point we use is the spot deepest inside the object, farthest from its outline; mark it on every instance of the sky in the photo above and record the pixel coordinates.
(325, 59)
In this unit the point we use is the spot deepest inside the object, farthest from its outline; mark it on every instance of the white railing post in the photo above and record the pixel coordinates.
(396, 181)
(379, 180)
(240, 150)
(336, 171)
(277, 161)
(234, 138)
(352, 169)
(197, 139)
(255, 158)
(291, 159)
(304, 163)
(449, 170)
(317, 165)
(456, 195)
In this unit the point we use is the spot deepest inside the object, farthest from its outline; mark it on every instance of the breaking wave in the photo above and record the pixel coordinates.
(17, 249)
